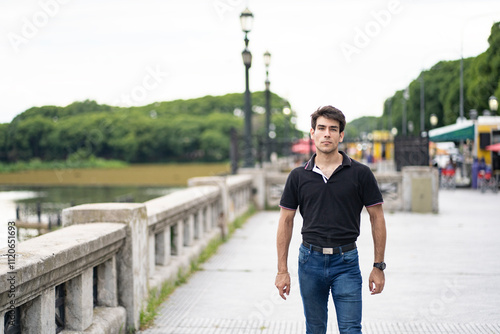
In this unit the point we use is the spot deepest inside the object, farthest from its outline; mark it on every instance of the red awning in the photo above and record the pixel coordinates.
(494, 147)
(303, 147)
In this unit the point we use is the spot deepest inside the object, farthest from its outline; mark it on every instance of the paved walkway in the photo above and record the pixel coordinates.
(443, 276)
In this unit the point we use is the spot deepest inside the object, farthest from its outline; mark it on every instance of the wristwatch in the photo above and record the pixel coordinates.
(379, 265)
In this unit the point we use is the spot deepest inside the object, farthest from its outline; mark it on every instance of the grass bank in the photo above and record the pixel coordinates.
(37, 164)
(123, 175)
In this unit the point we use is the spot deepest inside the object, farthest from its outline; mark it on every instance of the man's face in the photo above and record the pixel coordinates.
(327, 135)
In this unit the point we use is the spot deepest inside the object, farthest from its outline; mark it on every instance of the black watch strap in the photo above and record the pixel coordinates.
(379, 265)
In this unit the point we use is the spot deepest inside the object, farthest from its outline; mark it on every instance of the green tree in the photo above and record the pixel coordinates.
(3, 141)
(28, 138)
(215, 145)
(180, 130)
(481, 76)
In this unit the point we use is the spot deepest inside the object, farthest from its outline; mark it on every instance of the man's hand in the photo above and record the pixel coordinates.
(283, 284)
(376, 281)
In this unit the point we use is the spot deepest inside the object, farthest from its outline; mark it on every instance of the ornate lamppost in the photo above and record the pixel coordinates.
(406, 96)
(286, 112)
(267, 62)
(246, 20)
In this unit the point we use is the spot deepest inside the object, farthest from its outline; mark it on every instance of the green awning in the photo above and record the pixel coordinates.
(454, 132)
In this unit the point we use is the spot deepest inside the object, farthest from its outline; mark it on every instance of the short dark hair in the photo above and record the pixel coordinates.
(330, 113)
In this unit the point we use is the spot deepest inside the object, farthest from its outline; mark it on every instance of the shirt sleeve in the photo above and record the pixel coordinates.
(371, 194)
(289, 197)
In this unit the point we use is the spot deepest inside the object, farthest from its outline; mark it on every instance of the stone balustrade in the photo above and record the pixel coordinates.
(94, 275)
(67, 259)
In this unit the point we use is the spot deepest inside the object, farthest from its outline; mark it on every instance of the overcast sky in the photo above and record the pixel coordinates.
(352, 54)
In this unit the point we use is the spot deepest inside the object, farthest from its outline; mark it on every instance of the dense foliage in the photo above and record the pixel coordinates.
(441, 87)
(180, 130)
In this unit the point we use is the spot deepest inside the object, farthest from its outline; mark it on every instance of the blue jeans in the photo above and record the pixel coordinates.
(320, 274)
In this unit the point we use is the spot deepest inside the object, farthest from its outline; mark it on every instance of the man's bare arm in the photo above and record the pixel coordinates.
(284, 235)
(377, 278)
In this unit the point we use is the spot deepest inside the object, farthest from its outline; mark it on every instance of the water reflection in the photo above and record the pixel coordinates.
(44, 204)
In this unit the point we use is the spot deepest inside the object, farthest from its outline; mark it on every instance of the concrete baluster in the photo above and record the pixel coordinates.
(205, 220)
(163, 247)
(200, 221)
(79, 301)
(38, 315)
(152, 253)
(107, 285)
(190, 231)
(179, 237)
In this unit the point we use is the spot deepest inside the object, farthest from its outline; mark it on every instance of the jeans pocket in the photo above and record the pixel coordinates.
(303, 254)
(350, 256)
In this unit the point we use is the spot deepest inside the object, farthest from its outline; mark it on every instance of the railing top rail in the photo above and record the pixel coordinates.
(99, 212)
(170, 205)
(238, 180)
(386, 176)
(231, 181)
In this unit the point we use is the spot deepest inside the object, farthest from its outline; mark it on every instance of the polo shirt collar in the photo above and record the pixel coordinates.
(346, 161)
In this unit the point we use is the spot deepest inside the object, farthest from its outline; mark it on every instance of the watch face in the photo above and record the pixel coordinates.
(380, 265)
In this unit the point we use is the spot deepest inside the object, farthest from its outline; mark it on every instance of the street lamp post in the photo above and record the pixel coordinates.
(422, 104)
(286, 136)
(390, 113)
(461, 106)
(267, 62)
(246, 20)
(406, 96)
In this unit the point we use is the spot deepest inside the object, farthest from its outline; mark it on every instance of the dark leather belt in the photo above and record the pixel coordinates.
(334, 250)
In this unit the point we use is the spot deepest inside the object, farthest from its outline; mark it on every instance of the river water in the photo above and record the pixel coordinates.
(23, 202)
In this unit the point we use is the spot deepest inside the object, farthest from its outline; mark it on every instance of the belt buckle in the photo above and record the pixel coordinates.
(328, 251)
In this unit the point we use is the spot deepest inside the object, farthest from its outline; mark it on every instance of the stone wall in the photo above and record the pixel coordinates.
(64, 258)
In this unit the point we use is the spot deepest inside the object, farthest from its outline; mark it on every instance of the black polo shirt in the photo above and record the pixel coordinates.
(331, 211)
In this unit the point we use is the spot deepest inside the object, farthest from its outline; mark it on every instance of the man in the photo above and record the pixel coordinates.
(330, 191)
